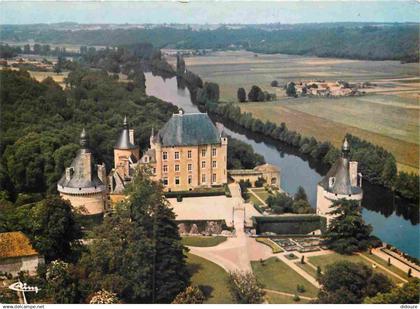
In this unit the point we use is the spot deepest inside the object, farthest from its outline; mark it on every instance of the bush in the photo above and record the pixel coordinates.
(245, 288)
(300, 288)
(179, 198)
(191, 295)
(296, 298)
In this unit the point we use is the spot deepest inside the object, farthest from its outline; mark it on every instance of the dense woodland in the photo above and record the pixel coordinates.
(342, 40)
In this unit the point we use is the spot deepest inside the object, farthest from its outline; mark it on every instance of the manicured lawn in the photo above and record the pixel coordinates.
(307, 268)
(274, 298)
(202, 241)
(211, 278)
(254, 200)
(262, 193)
(324, 260)
(384, 263)
(276, 275)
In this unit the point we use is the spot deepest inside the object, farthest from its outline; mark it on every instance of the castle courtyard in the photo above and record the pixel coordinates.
(213, 207)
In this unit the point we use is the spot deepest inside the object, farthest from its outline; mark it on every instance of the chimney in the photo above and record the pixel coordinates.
(353, 173)
(69, 173)
(102, 173)
(131, 136)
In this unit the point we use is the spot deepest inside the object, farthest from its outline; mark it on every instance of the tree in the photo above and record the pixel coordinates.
(191, 295)
(302, 207)
(54, 231)
(26, 49)
(280, 203)
(137, 252)
(300, 194)
(274, 83)
(407, 294)
(389, 172)
(58, 67)
(349, 283)
(347, 231)
(104, 297)
(254, 93)
(241, 95)
(291, 89)
(245, 288)
(62, 285)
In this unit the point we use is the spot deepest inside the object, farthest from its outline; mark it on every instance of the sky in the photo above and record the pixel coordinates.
(210, 12)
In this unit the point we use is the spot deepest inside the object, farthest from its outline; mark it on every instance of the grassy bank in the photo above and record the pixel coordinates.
(202, 241)
(211, 278)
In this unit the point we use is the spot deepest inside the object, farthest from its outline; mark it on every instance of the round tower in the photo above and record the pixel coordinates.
(339, 183)
(83, 181)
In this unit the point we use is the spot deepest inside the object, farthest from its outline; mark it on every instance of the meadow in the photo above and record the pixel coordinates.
(387, 115)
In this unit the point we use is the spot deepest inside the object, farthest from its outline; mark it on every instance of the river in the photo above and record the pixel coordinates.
(389, 217)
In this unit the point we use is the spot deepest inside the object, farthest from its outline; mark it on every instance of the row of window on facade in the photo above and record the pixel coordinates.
(189, 167)
(177, 180)
(177, 154)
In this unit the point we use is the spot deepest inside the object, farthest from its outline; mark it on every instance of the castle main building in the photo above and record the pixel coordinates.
(189, 152)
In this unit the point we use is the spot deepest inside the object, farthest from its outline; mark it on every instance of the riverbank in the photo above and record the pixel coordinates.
(389, 216)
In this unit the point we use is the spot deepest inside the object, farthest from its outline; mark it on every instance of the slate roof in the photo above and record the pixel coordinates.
(15, 244)
(77, 180)
(123, 141)
(340, 170)
(189, 129)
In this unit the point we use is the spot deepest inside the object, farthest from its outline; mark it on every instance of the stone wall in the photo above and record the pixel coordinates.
(17, 264)
(198, 227)
(93, 203)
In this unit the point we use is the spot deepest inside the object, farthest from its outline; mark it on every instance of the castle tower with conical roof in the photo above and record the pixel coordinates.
(341, 182)
(84, 183)
(125, 150)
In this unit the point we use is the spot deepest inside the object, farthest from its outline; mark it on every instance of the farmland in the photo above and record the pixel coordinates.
(387, 116)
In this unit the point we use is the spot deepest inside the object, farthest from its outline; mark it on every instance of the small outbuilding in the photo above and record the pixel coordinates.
(17, 254)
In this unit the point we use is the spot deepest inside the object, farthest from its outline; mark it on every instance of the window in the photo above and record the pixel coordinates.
(165, 168)
(165, 181)
(213, 178)
(165, 155)
(203, 178)
(214, 164)
(177, 180)
(176, 155)
(190, 167)
(213, 152)
(189, 180)
(203, 164)
(154, 171)
(146, 159)
(176, 167)
(189, 154)
(203, 152)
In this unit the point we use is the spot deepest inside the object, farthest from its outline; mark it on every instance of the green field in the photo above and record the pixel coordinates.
(211, 278)
(310, 270)
(384, 263)
(262, 193)
(276, 275)
(274, 298)
(393, 127)
(202, 241)
(324, 260)
(387, 116)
